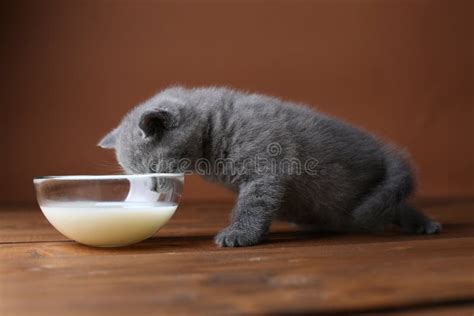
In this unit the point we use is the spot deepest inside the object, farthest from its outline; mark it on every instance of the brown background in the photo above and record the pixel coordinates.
(70, 69)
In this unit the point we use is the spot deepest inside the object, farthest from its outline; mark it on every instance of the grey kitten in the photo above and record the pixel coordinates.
(259, 147)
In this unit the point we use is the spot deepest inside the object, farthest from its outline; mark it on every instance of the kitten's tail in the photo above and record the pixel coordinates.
(381, 205)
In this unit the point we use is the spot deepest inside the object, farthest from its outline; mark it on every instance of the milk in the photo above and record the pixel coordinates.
(108, 224)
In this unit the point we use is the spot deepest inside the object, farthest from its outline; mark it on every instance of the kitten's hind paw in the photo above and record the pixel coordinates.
(234, 237)
(426, 227)
(432, 227)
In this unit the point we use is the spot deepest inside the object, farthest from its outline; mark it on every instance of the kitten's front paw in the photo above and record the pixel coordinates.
(235, 237)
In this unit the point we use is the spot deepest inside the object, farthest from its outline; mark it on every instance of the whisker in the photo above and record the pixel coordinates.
(108, 167)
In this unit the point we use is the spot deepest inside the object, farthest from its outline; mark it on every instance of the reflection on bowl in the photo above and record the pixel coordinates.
(109, 211)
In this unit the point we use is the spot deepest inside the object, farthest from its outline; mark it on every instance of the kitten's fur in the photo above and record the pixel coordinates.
(357, 183)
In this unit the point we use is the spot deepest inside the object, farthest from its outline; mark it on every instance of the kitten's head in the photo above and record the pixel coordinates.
(156, 136)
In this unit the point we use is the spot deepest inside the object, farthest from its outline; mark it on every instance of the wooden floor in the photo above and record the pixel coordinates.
(180, 271)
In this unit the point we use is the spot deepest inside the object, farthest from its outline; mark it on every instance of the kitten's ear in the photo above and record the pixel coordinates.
(109, 140)
(151, 122)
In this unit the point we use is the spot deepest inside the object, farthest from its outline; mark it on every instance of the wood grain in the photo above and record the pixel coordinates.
(180, 271)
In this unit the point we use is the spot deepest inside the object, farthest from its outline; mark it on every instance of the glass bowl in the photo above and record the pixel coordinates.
(109, 210)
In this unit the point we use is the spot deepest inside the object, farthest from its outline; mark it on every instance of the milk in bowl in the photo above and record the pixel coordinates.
(109, 211)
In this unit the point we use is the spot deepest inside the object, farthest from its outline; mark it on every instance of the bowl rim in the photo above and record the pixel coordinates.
(108, 177)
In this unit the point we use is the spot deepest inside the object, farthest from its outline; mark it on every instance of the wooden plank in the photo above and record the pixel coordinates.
(27, 223)
(449, 309)
(56, 277)
(180, 271)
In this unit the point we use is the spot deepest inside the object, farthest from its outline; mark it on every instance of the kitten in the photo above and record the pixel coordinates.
(283, 160)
